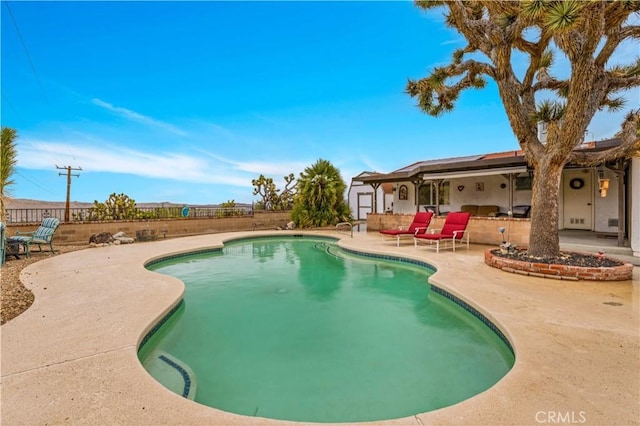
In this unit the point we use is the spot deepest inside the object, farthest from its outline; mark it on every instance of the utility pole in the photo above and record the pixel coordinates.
(68, 169)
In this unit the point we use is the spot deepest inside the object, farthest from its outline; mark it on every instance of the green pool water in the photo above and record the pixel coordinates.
(297, 329)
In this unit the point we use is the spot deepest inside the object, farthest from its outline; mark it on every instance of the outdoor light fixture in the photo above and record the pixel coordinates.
(501, 229)
(505, 247)
(603, 183)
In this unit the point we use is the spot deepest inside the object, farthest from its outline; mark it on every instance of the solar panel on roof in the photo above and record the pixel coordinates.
(440, 161)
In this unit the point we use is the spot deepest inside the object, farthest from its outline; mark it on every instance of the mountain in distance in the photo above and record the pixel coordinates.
(25, 203)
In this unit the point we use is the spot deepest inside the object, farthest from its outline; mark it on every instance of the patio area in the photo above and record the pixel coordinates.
(71, 357)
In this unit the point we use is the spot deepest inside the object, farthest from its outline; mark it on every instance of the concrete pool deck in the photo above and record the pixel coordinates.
(71, 357)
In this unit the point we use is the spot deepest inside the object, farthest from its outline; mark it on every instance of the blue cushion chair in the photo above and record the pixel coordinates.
(42, 235)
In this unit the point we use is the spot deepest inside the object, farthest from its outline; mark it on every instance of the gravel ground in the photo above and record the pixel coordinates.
(565, 258)
(15, 298)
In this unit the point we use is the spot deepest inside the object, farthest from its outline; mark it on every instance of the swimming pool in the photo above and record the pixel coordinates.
(298, 329)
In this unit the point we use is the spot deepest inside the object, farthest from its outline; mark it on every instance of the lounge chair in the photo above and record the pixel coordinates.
(42, 235)
(419, 226)
(454, 229)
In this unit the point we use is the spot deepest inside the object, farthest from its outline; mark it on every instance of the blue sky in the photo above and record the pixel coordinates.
(187, 102)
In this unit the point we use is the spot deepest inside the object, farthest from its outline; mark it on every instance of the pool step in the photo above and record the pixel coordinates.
(172, 373)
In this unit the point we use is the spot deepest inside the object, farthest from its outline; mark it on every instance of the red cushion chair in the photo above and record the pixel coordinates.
(419, 226)
(454, 228)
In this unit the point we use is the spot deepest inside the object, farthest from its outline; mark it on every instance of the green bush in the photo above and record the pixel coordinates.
(320, 199)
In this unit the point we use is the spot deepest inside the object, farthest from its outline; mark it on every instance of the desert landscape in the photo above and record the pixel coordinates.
(25, 203)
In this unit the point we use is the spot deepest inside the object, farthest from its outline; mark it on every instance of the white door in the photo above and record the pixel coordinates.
(365, 204)
(578, 199)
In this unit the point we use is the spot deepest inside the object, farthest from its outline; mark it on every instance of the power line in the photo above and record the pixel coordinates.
(34, 182)
(26, 51)
(68, 169)
(6, 100)
(33, 67)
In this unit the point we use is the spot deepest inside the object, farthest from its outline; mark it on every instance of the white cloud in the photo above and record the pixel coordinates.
(270, 169)
(458, 40)
(134, 116)
(370, 165)
(39, 154)
(198, 167)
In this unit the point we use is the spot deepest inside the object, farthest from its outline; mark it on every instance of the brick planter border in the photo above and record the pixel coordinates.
(559, 272)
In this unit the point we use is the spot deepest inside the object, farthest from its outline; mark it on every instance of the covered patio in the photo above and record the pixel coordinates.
(497, 187)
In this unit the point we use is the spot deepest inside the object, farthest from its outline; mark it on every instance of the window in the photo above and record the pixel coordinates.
(523, 182)
(444, 192)
(424, 195)
(403, 193)
(427, 194)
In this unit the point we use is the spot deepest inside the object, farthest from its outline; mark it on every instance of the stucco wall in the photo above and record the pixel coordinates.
(606, 208)
(79, 233)
(491, 193)
(483, 230)
(359, 188)
(407, 206)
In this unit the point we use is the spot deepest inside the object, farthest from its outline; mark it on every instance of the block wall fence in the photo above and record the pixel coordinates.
(482, 230)
(79, 233)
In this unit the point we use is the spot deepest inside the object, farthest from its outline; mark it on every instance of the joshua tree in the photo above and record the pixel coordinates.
(8, 161)
(266, 188)
(587, 34)
(272, 198)
(285, 200)
(320, 198)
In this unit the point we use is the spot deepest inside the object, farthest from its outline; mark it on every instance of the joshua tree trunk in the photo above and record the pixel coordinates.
(543, 238)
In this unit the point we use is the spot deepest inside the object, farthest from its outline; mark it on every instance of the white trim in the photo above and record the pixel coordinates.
(471, 173)
(634, 217)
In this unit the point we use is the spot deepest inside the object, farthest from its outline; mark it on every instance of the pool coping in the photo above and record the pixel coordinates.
(576, 344)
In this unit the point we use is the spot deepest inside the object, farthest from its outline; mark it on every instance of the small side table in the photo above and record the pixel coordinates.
(13, 248)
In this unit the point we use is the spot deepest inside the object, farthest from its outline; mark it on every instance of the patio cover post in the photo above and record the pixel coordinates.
(619, 171)
(375, 186)
(417, 183)
(621, 206)
(438, 182)
(510, 179)
(620, 174)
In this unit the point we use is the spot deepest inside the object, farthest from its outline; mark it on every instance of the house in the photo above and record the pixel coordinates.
(361, 196)
(591, 199)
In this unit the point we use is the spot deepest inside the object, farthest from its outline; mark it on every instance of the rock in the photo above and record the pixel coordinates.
(101, 238)
(291, 225)
(122, 238)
